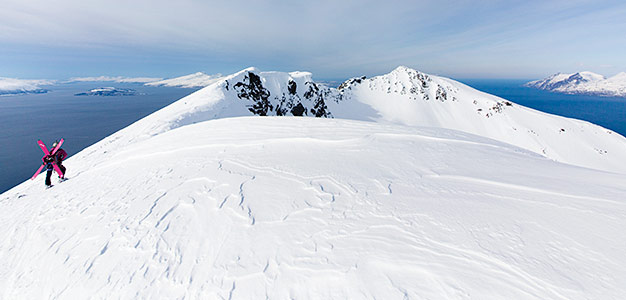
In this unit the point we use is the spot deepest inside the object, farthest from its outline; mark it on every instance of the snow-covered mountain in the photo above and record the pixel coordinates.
(404, 96)
(195, 201)
(583, 83)
(14, 86)
(194, 80)
(108, 91)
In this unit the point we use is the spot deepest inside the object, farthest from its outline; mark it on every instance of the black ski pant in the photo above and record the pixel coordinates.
(49, 173)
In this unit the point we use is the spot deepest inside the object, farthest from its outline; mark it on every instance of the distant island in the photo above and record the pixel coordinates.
(108, 91)
(583, 83)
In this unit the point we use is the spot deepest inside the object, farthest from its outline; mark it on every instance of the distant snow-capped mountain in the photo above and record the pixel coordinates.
(583, 83)
(195, 80)
(404, 96)
(14, 86)
(108, 91)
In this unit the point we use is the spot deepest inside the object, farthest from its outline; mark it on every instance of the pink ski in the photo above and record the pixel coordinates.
(43, 147)
(58, 170)
(48, 153)
(54, 150)
(38, 171)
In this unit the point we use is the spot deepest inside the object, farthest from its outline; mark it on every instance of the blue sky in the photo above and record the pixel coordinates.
(332, 39)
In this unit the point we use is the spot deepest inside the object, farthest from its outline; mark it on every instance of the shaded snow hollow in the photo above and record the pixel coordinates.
(175, 206)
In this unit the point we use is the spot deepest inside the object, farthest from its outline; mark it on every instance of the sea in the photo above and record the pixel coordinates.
(80, 120)
(84, 120)
(608, 112)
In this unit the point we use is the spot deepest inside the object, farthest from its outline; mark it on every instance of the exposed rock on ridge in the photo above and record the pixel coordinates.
(290, 98)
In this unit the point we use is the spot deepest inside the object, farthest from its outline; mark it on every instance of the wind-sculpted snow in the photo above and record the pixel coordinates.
(303, 208)
(583, 83)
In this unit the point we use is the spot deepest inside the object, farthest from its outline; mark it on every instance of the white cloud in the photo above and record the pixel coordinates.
(119, 79)
(16, 86)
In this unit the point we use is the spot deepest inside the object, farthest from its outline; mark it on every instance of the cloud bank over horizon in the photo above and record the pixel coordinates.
(331, 39)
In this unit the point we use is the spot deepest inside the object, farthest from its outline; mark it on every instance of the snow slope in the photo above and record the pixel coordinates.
(304, 208)
(583, 83)
(194, 80)
(12, 86)
(413, 98)
(404, 96)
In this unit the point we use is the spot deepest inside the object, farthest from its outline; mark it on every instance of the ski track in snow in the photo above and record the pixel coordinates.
(280, 209)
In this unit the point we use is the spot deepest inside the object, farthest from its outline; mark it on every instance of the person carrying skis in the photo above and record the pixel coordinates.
(57, 158)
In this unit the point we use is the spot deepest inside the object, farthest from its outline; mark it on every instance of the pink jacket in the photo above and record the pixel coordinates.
(60, 155)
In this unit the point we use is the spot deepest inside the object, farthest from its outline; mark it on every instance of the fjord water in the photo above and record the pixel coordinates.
(608, 112)
(81, 120)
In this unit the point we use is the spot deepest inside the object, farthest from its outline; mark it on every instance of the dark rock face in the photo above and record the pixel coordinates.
(346, 84)
(252, 89)
(292, 87)
(313, 100)
(441, 94)
(298, 110)
(319, 105)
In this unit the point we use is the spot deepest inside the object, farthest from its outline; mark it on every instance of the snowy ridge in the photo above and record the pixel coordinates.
(13, 86)
(583, 83)
(241, 94)
(195, 80)
(413, 98)
(404, 96)
(284, 207)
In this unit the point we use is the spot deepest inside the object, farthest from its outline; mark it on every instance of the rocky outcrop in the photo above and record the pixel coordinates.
(284, 97)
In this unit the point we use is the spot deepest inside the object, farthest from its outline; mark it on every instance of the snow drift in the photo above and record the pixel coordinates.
(190, 202)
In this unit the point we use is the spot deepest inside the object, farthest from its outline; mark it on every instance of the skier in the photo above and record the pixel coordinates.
(57, 158)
